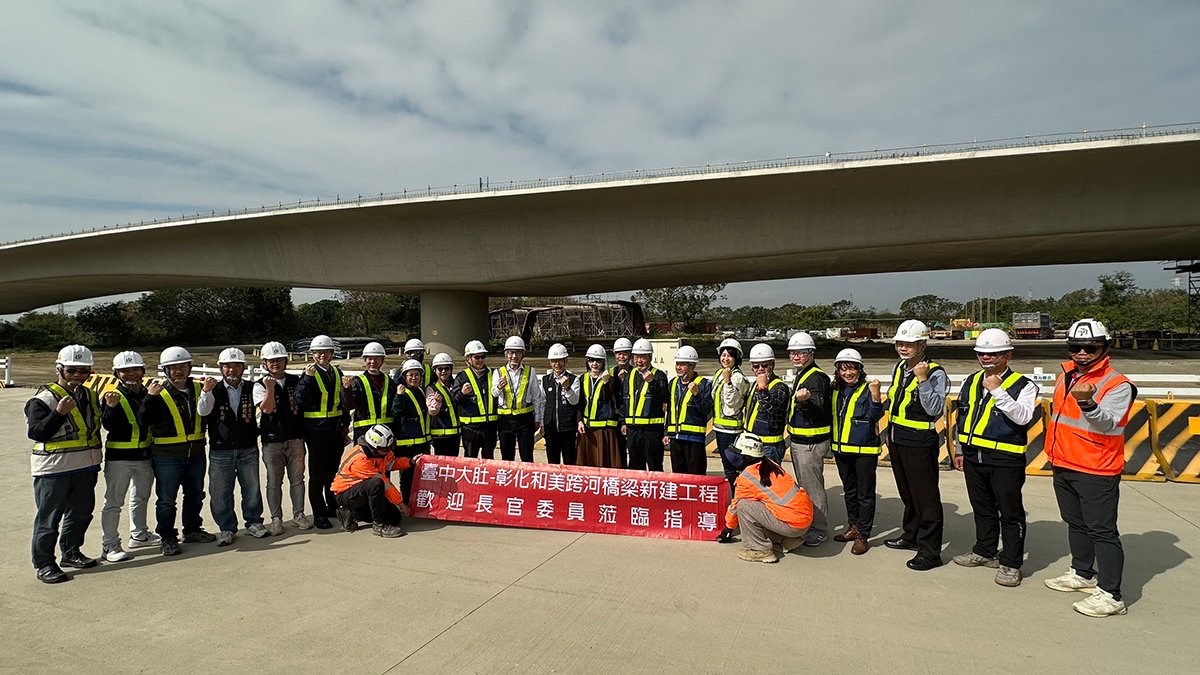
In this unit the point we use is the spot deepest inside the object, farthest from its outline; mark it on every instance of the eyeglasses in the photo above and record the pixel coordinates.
(1086, 348)
(77, 371)
(443, 367)
(760, 366)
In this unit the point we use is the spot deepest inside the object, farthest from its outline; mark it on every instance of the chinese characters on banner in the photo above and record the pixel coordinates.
(580, 498)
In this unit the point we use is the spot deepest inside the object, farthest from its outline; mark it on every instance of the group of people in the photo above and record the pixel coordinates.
(355, 431)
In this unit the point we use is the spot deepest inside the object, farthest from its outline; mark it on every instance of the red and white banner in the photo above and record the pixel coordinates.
(579, 498)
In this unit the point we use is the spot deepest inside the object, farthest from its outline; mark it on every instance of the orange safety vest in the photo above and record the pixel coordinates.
(786, 500)
(1072, 443)
(356, 467)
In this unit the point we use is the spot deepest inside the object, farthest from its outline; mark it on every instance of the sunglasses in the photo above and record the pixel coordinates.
(443, 367)
(77, 371)
(760, 366)
(1087, 349)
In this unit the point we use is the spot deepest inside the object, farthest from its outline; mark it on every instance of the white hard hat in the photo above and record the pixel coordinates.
(642, 346)
(850, 356)
(380, 436)
(231, 355)
(729, 343)
(514, 342)
(597, 352)
(748, 444)
(374, 349)
(912, 331)
(992, 341)
(74, 355)
(474, 347)
(622, 345)
(411, 364)
(442, 359)
(173, 356)
(686, 354)
(128, 360)
(321, 343)
(414, 345)
(557, 351)
(800, 341)
(762, 352)
(274, 350)
(1087, 329)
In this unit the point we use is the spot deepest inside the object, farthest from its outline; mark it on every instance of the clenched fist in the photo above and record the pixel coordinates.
(803, 394)
(65, 405)
(112, 399)
(1083, 391)
(921, 370)
(210, 383)
(346, 380)
(873, 386)
(991, 382)
(648, 376)
(154, 388)
(310, 371)
(466, 389)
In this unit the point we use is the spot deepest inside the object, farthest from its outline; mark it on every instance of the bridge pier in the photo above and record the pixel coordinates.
(449, 319)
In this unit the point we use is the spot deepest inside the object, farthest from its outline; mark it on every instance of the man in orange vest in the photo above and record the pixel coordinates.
(361, 486)
(1085, 441)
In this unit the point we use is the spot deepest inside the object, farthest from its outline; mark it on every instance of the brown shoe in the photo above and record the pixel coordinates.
(849, 535)
(860, 545)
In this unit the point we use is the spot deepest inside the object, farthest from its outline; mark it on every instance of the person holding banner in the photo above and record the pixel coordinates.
(518, 402)
(560, 415)
(856, 409)
(369, 396)
(598, 413)
(361, 486)
(443, 418)
(411, 418)
(689, 405)
(645, 395)
(772, 511)
(476, 406)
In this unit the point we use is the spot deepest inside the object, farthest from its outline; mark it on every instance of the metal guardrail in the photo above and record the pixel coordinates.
(1029, 140)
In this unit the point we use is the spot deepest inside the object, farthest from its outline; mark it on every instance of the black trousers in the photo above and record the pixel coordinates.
(858, 487)
(70, 500)
(479, 439)
(560, 446)
(445, 446)
(324, 455)
(623, 445)
(916, 471)
(688, 457)
(645, 448)
(995, 494)
(407, 475)
(1088, 504)
(516, 431)
(368, 501)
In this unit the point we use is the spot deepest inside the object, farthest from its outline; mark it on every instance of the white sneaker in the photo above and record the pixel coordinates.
(276, 526)
(1100, 604)
(115, 554)
(303, 522)
(148, 540)
(257, 531)
(224, 538)
(1071, 581)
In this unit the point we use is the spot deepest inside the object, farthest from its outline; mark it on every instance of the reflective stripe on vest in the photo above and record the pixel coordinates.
(383, 415)
(1074, 444)
(592, 403)
(679, 414)
(447, 406)
(900, 406)
(422, 417)
(81, 429)
(181, 435)
(779, 501)
(136, 441)
(636, 413)
(487, 412)
(326, 411)
(804, 431)
(522, 386)
(975, 436)
(774, 438)
(720, 422)
(841, 430)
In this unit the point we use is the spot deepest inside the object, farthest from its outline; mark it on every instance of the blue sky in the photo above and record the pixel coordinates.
(122, 111)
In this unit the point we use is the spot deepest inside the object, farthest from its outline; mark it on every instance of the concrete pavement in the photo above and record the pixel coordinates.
(463, 598)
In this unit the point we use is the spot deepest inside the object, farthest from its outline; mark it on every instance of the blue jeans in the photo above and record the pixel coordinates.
(170, 473)
(223, 467)
(774, 451)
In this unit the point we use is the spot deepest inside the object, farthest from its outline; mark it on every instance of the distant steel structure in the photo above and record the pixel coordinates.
(564, 323)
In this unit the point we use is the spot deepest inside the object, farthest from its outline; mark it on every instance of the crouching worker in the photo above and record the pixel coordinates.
(362, 489)
(772, 511)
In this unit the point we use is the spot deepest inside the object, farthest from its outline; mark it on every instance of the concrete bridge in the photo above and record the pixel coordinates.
(1114, 200)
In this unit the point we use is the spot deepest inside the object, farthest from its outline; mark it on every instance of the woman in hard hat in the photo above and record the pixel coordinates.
(730, 390)
(598, 413)
(856, 408)
(560, 414)
(475, 404)
(772, 511)
(443, 417)
(368, 396)
(411, 418)
(689, 405)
